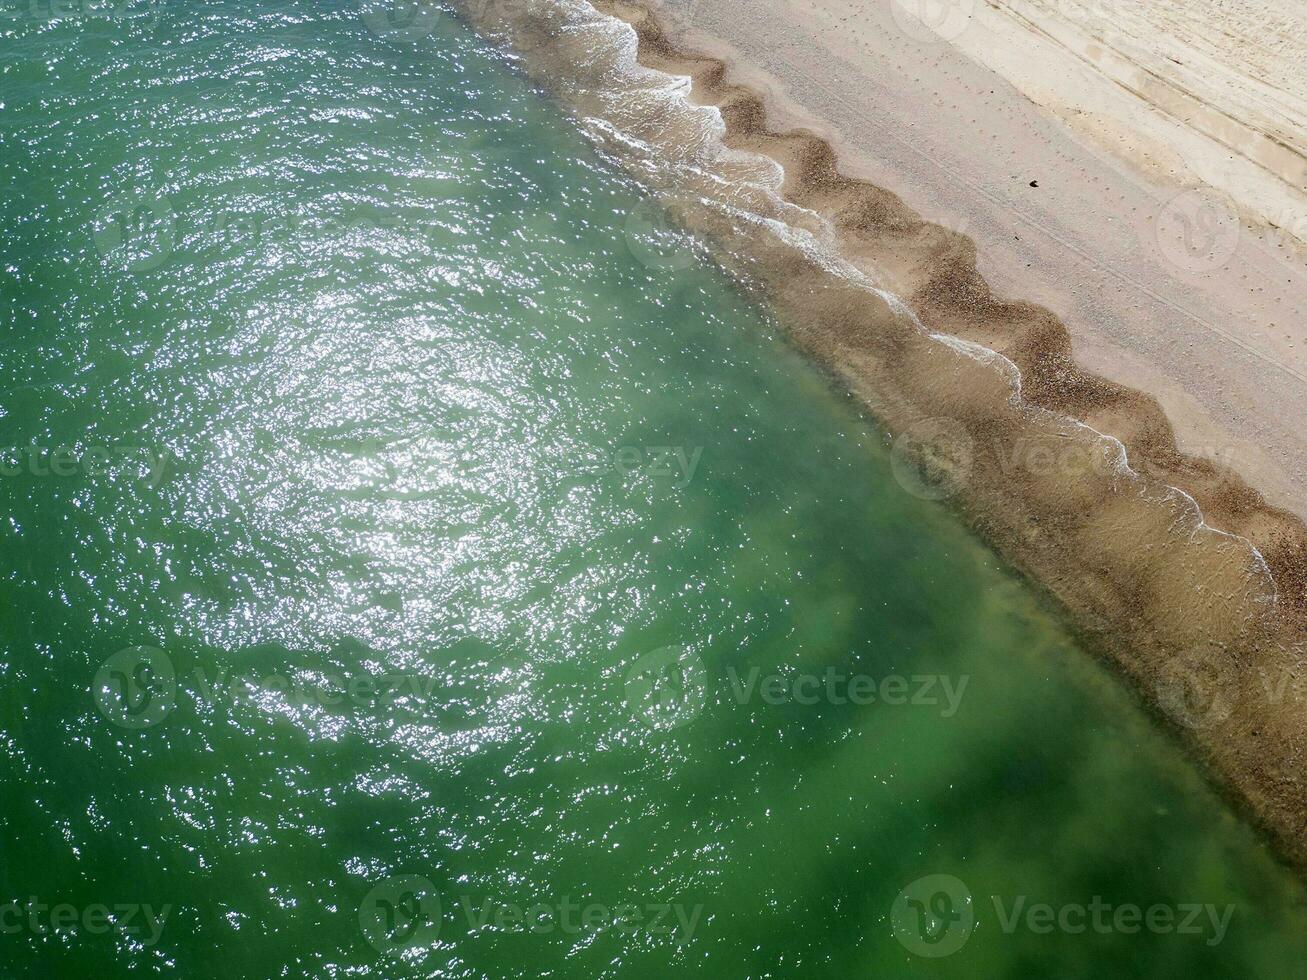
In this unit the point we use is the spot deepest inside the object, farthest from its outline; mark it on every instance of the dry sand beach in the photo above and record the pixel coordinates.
(1146, 126)
(1097, 355)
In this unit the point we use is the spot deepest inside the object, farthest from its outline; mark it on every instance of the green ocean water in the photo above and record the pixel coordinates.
(417, 561)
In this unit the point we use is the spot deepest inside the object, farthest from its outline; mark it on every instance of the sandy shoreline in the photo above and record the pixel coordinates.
(1204, 612)
(1218, 336)
(1204, 91)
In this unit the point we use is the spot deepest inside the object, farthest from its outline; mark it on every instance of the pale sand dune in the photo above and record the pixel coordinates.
(1244, 58)
(1225, 77)
(1161, 287)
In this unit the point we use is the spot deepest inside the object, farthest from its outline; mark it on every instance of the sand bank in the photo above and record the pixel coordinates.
(1126, 238)
(1204, 609)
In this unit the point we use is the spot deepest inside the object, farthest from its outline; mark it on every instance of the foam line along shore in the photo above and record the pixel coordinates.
(1183, 575)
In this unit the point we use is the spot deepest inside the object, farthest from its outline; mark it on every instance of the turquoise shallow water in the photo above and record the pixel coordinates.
(341, 364)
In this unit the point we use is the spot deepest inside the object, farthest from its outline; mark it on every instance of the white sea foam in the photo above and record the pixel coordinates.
(752, 198)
